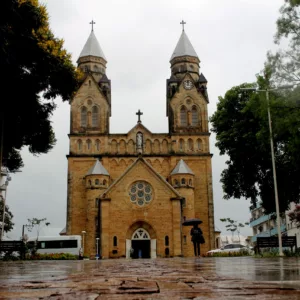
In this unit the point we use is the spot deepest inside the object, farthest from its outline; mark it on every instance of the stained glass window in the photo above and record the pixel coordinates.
(140, 193)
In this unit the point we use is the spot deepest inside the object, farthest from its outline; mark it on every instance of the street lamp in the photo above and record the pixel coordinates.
(83, 233)
(273, 158)
(97, 242)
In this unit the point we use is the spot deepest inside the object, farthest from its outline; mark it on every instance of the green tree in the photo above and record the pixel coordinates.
(36, 69)
(234, 226)
(286, 62)
(295, 215)
(242, 133)
(37, 224)
(8, 224)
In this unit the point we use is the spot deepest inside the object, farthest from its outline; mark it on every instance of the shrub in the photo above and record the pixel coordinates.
(53, 256)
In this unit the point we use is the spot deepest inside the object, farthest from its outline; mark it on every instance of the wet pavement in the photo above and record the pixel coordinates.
(169, 278)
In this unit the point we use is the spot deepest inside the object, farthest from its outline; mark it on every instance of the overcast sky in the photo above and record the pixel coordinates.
(231, 39)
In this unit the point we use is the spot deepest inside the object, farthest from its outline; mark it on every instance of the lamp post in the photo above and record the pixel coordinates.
(97, 242)
(273, 159)
(83, 233)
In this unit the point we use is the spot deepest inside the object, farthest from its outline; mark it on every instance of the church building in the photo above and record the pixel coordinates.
(129, 193)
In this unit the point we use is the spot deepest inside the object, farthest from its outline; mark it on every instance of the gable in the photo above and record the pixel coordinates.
(140, 170)
(88, 89)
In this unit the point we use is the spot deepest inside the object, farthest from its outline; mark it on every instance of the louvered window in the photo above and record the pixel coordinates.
(83, 116)
(183, 116)
(95, 117)
(194, 116)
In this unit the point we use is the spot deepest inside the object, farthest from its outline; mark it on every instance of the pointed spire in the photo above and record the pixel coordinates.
(92, 47)
(97, 169)
(184, 47)
(182, 168)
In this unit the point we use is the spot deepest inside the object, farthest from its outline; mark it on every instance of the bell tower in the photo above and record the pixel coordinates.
(186, 90)
(91, 105)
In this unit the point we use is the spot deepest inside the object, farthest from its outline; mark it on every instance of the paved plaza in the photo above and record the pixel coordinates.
(171, 278)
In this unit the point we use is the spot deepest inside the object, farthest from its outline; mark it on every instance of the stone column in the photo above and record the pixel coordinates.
(104, 227)
(176, 227)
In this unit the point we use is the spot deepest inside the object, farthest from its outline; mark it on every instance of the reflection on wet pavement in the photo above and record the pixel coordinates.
(176, 278)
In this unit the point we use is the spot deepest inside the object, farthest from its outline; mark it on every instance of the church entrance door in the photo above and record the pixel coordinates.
(140, 244)
(141, 249)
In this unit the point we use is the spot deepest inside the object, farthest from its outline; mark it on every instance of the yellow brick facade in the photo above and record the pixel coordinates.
(104, 206)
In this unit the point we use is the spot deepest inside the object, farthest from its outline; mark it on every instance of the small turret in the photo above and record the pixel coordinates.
(182, 176)
(97, 177)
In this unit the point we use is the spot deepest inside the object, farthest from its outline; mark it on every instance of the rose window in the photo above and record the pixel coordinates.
(140, 193)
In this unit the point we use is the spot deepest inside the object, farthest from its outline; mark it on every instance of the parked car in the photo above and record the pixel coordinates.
(232, 248)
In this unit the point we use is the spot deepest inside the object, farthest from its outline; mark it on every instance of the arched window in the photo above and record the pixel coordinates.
(181, 144)
(166, 240)
(190, 182)
(89, 144)
(199, 145)
(115, 241)
(96, 181)
(79, 145)
(191, 145)
(104, 182)
(97, 144)
(95, 117)
(195, 118)
(90, 182)
(183, 181)
(83, 121)
(183, 116)
(175, 182)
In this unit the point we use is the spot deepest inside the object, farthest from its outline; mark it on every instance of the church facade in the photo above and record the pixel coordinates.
(128, 194)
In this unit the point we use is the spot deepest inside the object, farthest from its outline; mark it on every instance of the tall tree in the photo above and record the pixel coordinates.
(234, 226)
(36, 69)
(286, 62)
(295, 215)
(242, 132)
(8, 224)
(37, 224)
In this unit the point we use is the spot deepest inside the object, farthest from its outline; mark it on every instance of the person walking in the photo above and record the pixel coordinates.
(197, 239)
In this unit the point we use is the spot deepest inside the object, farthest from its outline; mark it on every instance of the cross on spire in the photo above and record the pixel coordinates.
(92, 22)
(139, 113)
(182, 23)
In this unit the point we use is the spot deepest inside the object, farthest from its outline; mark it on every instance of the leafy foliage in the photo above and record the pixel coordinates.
(53, 256)
(242, 132)
(295, 215)
(37, 224)
(230, 254)
(234, 226)
(36, 69)
(286, 63)
(8, 224)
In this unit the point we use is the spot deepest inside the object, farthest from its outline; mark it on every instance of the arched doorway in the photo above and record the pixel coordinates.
(140, 244)
(141, 235)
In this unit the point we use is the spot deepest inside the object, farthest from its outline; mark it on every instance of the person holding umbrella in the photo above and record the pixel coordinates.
(196, 234)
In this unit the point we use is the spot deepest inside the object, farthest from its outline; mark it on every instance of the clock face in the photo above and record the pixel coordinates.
(188, 84)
